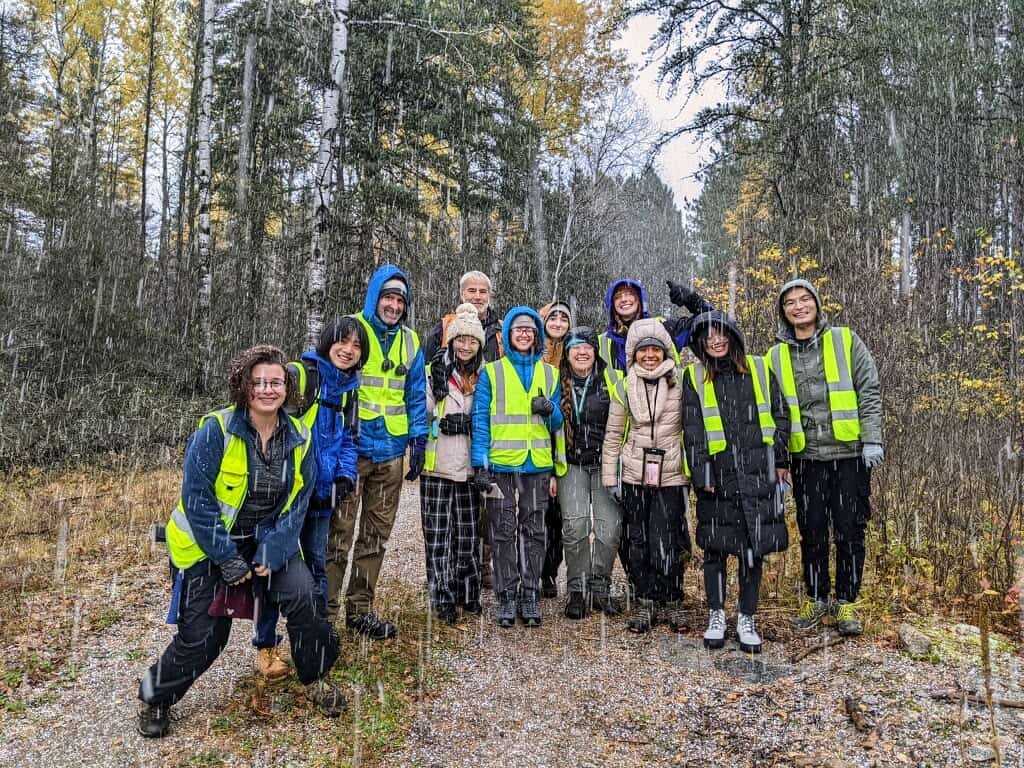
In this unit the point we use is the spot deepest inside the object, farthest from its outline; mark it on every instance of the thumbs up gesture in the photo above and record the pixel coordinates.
(541, 405)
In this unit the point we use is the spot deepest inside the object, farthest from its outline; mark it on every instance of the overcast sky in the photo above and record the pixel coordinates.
(680, 159)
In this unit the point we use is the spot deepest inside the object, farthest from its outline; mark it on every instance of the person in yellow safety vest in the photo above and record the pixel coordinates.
(642, 467)
(474, 288)
(234, 541)
(588, 389)
(327, 381)
(449, 504)
(830, 383)
(735, 433)
(392, 418)
(518, 449)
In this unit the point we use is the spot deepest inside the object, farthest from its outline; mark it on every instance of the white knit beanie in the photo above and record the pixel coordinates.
(466, 323)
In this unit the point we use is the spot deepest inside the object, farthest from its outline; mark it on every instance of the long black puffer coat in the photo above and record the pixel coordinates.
(745, 510)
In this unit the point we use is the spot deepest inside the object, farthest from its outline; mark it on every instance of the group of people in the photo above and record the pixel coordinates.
(534, 439)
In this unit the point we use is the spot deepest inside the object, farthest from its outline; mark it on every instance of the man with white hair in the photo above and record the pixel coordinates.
(475, 288)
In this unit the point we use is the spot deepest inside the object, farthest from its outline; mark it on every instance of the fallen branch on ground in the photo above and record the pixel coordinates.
(827, 642)
(956, 695)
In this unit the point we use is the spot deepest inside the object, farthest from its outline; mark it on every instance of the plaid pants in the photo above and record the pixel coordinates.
(449, 511)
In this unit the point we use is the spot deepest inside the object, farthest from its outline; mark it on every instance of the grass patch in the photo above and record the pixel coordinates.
(104, 619)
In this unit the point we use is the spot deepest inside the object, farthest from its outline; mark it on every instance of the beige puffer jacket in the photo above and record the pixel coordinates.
(452, 450)
(666, 401)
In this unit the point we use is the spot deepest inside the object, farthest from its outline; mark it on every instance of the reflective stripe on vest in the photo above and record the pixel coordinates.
(382, 393)
(517, 433)
(837, 357)
(229, 488)
(604, 343)
(430, 458)
(714, 430)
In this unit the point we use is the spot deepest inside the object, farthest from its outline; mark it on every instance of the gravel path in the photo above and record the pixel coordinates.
(567, 694)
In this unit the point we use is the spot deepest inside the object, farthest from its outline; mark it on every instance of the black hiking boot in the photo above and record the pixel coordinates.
(549, 589)
(576, 606)
(371, 625)
(529, 608)
(154, 720)
(505, 615)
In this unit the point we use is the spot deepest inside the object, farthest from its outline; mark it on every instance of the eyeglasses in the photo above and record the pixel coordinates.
(258, 384)
(790, 303)
(522, 331)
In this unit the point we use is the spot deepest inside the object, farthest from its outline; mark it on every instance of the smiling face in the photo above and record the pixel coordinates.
(390, 308)
(267, 389)
(345, 354)
(557, 325)
(466, 348)
(581, 359)
(649, 357)
(626, 303)
(523, 338)
(799, 307)
(477, 293)
(716, 343)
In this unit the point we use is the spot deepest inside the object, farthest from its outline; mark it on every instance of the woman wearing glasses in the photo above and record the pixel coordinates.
(234, 540)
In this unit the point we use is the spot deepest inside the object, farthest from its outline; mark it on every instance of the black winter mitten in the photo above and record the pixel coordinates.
(234, 570)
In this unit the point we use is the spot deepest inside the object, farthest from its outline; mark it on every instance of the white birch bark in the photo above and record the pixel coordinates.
(203, 181)
(323, 181)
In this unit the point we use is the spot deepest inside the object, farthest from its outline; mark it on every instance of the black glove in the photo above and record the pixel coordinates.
(455, 424)
(343, 488)
(234, 570)
(541, 406)
(417, 455)
(439, 376)
(482, 479)
(686, 297)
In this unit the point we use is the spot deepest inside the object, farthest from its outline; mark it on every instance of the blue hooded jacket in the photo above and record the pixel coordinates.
(678, 328)
(524, 366)
(278, 537)
(375, 442)
(333, 444)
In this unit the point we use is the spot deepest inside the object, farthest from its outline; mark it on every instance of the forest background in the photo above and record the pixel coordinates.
(179, 180)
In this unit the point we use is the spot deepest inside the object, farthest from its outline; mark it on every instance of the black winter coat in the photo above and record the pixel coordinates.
(745, 509)
(584, 449)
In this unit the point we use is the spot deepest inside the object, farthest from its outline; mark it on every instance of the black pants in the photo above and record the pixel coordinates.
(836, 496)
(201, 637)
(750, 580)
(553, 543)
(656, 538)
(449, 511)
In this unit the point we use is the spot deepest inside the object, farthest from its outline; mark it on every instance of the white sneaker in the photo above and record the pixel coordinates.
(747, 634)
(714, 635)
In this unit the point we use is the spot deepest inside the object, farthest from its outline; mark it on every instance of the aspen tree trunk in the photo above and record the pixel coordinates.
(204, 176)
(245, 142)
(152, 21)
(323, 181)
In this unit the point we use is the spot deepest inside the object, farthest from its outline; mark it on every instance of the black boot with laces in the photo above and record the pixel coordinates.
(154, 720)
(371, 625)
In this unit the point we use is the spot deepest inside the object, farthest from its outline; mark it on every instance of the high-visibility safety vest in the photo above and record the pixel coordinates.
(837, 355)
(230, 488)
(714, 430)
(382, 392)
(516, 432)
(308, 418)
(607, 350)
(430, 457)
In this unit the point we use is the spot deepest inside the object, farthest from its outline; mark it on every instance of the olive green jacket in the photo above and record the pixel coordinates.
(812, 393)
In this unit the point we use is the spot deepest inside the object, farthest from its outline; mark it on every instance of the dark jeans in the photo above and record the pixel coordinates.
(313, 541)
(656, 539)
(750, 580)
(553, 543)
(201, 637)
(832, 496)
